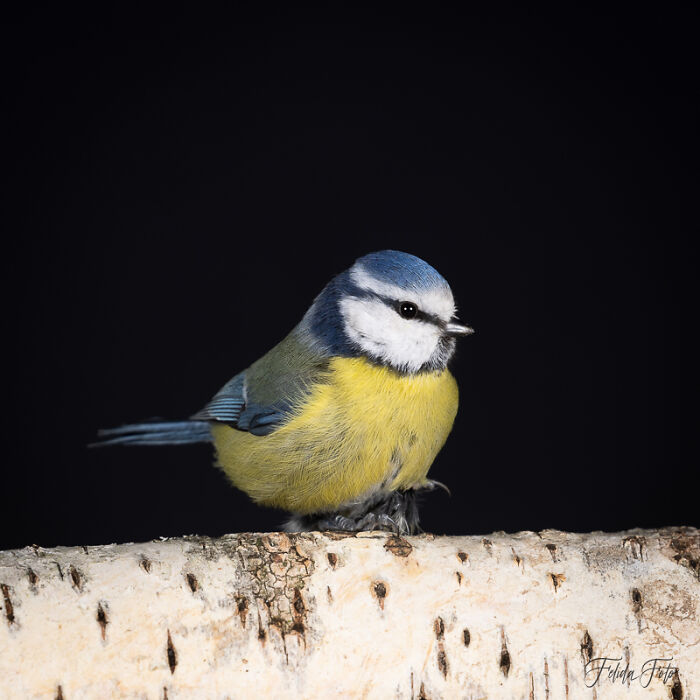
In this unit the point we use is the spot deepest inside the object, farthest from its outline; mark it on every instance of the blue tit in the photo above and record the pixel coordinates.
(340, 422)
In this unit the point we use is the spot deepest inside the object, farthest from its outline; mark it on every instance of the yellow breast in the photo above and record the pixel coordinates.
(361, 428)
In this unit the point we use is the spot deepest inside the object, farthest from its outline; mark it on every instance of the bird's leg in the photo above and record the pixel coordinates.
(404, 507)
(336, 521)
(320, 521)
(395, 512)
(378, 521)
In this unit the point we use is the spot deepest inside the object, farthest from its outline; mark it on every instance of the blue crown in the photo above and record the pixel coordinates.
(402, 269)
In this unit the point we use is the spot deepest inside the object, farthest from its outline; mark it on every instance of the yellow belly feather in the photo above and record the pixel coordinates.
(362, 428)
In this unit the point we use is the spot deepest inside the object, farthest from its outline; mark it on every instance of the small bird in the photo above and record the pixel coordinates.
(340, 422)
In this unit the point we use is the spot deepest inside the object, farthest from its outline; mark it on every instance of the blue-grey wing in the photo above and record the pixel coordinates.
(259, 399)
(228, 403)
(262, 420)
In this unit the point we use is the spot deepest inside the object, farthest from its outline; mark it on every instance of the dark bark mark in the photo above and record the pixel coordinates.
(9, 608)
(299, 607)
(33, 578)
(165, 693)
(439, 629)
(487, 544)
(532, 687)
(329, 594)
(398, 546)
(298, 612)
(676, 688)
(566, 678)
(192, 582)
(102, 619)
(442, 662)
(145, 564)
(462, 556)
(557, 580)
(504, 660)
(636, 544)
(421, 694)
(587, 648)
(379, 591)
(280, 625)
(76, 578)
(59, 693)
(332, 559)
(516, 557)
(172, 654)
(546, 679)
(242, 608)
(687, 551)
(636, 596)
(60, 570)
(553, 551)
(459, 578)
(466, 637)
(261, 631)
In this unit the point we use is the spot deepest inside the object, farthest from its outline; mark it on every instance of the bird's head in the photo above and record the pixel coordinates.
(392, 308)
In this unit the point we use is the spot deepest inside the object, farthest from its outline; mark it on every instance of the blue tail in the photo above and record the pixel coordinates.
(181, 432)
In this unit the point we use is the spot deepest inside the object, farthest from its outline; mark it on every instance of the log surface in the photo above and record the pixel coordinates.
(363, 616)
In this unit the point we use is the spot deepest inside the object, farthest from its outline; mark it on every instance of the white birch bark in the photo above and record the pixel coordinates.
(366, 616)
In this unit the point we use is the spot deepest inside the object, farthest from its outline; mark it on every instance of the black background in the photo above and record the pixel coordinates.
(180, 188)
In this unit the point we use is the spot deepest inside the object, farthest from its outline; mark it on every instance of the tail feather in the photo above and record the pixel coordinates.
(155, 433)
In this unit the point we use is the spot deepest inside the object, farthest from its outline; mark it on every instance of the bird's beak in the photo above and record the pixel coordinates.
(458, 329)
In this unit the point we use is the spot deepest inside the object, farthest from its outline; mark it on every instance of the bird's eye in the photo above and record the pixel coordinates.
(408, 309)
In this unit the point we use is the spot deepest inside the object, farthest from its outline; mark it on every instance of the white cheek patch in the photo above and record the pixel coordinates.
(382, 333)
(437, 301)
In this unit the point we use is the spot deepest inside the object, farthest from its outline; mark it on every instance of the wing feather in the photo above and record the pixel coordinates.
(258, 399)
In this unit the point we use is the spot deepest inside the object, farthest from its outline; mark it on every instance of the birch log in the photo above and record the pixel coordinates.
(363, 616)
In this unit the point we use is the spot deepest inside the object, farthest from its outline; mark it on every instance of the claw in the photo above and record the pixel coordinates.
(337, 522)
(387, 522)
(402, 526)
(376, 521)
(432, 483)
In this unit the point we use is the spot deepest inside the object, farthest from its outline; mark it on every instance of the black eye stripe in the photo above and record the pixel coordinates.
(423, 316)
(420, 315)
(429, 318)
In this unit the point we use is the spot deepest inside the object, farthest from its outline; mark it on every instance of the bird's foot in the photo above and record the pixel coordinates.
(395, 512)
(336, 522)
(378, 521)
(369, 521)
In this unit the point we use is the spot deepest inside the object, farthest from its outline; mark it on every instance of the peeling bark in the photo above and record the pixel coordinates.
(368, 615)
